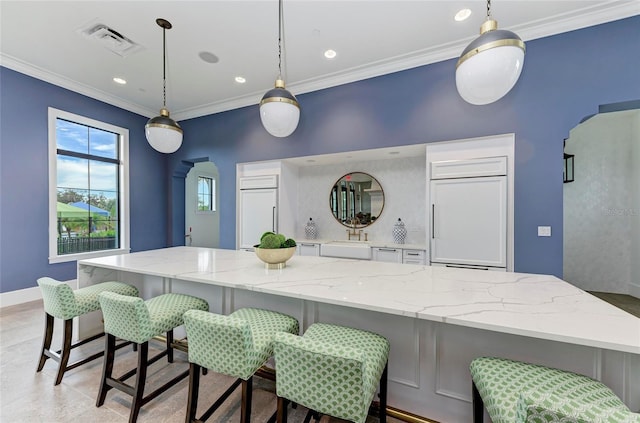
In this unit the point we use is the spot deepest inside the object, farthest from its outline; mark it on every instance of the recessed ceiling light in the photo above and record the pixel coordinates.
(240, 80)
(119, 81)
(394, 152)
(462, 15)
(330, 54)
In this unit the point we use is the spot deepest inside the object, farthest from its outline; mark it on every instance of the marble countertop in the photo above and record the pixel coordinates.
(538, 306)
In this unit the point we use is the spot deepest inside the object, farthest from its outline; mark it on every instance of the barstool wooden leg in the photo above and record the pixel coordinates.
(66, 350)
(383, 395)
(282, 410)
(141, 376)
(478, 405)
(46, 341)
(170, 346)
(192, 399)
(107, 368)
(245, 407)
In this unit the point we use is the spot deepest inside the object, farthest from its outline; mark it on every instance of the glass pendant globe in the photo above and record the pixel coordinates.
(163, 133)
(280, 119)
(489, 75)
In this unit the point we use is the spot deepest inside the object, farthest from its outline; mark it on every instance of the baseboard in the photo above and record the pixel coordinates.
(26, 295)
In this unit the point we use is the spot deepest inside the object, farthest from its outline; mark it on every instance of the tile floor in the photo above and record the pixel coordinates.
(27, 396)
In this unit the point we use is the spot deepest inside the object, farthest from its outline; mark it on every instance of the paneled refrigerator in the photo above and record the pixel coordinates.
(468, 200)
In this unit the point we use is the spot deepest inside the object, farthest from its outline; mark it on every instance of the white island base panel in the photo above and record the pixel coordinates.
(437, 319)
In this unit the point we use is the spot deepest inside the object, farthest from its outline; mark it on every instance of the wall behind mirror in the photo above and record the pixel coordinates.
(403, 181)
(602, 206)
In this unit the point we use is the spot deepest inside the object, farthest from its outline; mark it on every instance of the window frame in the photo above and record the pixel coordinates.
(123, 174)
(212, 194)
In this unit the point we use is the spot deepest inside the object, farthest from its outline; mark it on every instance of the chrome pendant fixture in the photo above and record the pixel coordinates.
(163, 133)
(279, 109)
(490, 66)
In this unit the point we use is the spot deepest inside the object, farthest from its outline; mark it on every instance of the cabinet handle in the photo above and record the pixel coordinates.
(273, 219)
(413, 254)
(393, 250)
(466, 267)
(433, 221)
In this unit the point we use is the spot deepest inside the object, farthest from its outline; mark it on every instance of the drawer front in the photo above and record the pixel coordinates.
(414, 256)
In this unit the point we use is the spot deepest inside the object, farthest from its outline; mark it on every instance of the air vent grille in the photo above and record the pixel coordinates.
(110, 39)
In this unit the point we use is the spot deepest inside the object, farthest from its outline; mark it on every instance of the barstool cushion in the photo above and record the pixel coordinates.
(65, 303)
(136, 320)
(332, 369)
(513, 391)
(238, 344)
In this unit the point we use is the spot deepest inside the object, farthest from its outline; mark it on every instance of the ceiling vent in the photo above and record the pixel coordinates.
(110, 39)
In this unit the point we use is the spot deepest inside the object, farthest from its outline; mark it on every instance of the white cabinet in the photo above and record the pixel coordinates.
(469, 212)
(258, 209)
(414, 256)
(308, 249)
(391, 255)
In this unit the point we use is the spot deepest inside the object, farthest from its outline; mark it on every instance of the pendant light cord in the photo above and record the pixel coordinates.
(488, 9)
(164, 67)
(280, 40)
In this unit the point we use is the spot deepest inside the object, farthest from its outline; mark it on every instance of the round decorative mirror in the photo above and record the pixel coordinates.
(356, 200)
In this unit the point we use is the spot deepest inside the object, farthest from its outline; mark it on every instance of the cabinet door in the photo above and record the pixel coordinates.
(258, 214)
(391, 255)
(469, 221)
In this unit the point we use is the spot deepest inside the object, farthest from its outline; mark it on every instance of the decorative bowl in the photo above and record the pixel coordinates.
(275, 258)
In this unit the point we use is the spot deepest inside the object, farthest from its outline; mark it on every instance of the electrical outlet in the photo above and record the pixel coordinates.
(544, 230)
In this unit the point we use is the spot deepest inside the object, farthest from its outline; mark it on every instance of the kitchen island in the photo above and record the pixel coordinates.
(437, 319)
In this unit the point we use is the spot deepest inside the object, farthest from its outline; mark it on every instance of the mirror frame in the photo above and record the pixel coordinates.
(350, 223)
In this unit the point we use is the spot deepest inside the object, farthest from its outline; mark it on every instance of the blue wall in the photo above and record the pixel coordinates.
(565, 78)
(24, 178)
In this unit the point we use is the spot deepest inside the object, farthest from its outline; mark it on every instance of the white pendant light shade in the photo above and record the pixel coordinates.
(163, 133)
(279, 111)
(490, 66)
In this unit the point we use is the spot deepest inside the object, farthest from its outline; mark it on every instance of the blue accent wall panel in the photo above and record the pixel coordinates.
(24, 178)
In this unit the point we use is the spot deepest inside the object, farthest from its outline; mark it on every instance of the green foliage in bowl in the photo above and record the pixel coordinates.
(270, 240)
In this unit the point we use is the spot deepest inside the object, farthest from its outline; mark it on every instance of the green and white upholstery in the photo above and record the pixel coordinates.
(62, 302)
(235, 345)
(138, 321)
(516, 392)
(333, 370)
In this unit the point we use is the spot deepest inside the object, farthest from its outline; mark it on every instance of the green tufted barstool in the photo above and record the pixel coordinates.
(332, 370)
(235, 345)
(516, 392)
(62, 302)
(138, 321)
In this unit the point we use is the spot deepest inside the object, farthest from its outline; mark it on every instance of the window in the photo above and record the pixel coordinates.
(88, 188)
(206, 194)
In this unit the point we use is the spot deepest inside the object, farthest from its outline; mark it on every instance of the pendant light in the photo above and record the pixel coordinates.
(163, 133)
(491, 65)
(279, 109)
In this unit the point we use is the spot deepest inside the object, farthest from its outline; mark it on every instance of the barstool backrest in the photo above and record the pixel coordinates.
(58, 297)
(126, 317)
(220, 343)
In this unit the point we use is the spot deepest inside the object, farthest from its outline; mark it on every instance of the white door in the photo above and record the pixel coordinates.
(258, 214)
(202, 218)
(469, 221)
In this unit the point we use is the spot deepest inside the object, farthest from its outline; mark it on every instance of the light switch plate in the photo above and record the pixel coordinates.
(544, 230)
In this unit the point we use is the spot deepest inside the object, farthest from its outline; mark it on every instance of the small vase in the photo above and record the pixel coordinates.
(399, 232)
(311, 230)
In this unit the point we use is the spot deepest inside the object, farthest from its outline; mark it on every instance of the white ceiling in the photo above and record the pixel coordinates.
(43, 39)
